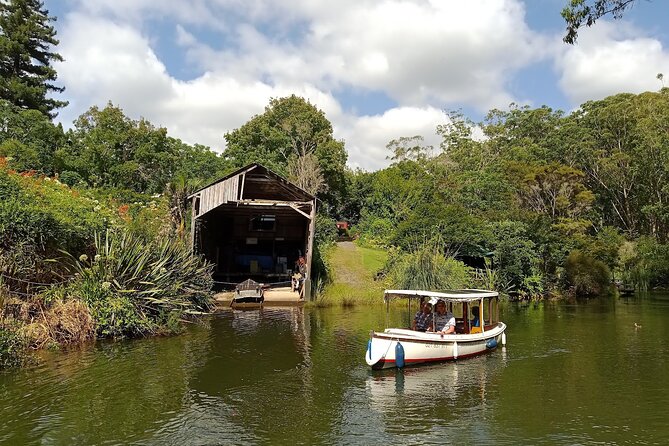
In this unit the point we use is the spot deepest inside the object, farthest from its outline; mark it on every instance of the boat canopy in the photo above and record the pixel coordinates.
(433, 296)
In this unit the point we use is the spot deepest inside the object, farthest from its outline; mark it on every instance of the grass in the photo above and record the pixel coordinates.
(354, 270)
(373, 259)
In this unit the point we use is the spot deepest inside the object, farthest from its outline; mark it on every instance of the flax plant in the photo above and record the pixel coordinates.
(134, 288)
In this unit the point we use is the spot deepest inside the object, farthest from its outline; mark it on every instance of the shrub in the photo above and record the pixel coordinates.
(375, 231)
(12, 348)
(427, 268)
(39, 216)
(325, 236)
(515, 255)
(585, 275)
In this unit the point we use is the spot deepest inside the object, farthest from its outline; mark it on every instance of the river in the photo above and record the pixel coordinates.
(571, 373)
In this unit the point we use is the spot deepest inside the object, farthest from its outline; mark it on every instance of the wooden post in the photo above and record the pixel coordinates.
(310, 250)
(193, 220)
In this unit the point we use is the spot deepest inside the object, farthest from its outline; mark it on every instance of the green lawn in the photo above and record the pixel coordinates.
(354, 270)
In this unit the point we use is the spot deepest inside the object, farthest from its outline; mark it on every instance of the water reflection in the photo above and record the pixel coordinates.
(455, 384)
(572, 373)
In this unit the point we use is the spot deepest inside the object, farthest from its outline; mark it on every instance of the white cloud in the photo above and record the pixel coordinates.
(110, 62)
(417, 53)
(423, 55)
(366, 137)
(611, 58)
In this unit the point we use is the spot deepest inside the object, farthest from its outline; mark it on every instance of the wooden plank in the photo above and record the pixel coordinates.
(241, 189)
(301, 212)
(193, 222)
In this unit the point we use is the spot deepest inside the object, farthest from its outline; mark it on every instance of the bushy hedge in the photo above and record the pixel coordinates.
(586, 276)
(12, 349)
(39, 217)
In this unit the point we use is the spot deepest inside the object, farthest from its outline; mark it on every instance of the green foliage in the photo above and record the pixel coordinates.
(586, 276)
(375, 231)
(486, 278)
(580, 12)
(12, 349)
(622, 148)
(645, 263)
(539, 186)
(324, 238)
(557, 191)
(134, 288)
(605, 246)
(19, 156)
(26, 71)
(427, 268)
(40, 216)
(108, 149)
(460, 232)
(515, 254)
(409, 148)
(29, 138)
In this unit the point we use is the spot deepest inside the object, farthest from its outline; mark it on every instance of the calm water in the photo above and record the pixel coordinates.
(572, 373)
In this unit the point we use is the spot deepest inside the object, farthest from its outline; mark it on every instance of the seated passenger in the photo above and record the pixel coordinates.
(475, 320)
(423, 319)
(296, 282)
(444, 321)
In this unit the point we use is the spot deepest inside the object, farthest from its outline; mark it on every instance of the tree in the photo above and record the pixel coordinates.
(579, 13)
(557, 191)
(305, 172)
(624, 153)
(284, 138)
(108, 149)
(26, 71)
(29, 138)
(409, 148)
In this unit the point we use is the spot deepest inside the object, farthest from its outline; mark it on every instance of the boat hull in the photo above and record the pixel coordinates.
(421, 348)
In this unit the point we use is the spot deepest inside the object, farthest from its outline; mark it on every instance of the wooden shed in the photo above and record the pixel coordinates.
(254, 224)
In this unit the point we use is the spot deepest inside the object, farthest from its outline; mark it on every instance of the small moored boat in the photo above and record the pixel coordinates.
(248, 293)
(397, 347)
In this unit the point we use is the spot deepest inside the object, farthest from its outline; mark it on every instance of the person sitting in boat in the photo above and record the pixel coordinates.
(444, 321)
(423, 319)
(476, 322)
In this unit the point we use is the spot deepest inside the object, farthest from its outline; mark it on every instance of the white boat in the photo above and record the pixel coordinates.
(397, 347)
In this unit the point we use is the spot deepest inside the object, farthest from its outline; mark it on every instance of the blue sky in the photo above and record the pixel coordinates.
(379, 69)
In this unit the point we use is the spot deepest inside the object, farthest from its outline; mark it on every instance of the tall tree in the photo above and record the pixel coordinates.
(26, 40)
(293, 138)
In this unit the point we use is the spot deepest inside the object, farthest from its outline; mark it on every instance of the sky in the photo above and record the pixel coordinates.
(378, 69)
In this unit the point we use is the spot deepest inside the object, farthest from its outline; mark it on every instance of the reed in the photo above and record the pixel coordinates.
(428, 268)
